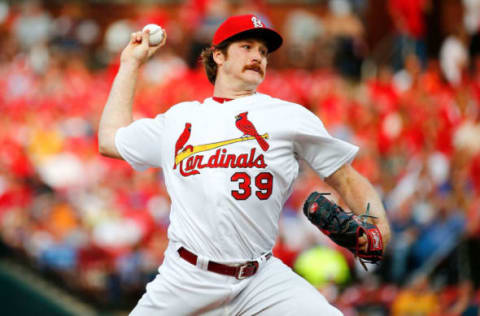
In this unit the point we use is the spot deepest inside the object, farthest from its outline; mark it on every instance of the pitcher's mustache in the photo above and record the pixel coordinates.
(254, 67)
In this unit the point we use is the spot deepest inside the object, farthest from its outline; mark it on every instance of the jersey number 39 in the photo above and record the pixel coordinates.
(263, 184)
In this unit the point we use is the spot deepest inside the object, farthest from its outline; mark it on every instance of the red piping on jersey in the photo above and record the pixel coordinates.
(221, 100)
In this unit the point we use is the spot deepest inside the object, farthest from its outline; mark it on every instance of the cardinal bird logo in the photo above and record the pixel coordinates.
(191, 159)
(248, 129)
(182, 140)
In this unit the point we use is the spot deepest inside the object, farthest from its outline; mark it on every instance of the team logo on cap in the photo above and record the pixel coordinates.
(256, 22)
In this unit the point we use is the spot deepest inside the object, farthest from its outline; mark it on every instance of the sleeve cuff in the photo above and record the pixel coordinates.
(348, 158)
(136, 166)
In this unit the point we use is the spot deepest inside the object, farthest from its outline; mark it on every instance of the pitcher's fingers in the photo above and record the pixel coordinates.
(363, 243)
(132, 38)
(145, 38)
(164, 38)
(137, 37)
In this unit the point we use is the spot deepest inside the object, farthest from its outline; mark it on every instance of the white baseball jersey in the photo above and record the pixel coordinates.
(229, 168)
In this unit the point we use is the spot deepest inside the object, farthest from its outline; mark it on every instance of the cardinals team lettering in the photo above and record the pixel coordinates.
(221, 159)
(190, 161)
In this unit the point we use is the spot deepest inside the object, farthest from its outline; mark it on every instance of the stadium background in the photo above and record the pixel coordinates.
(82, 234)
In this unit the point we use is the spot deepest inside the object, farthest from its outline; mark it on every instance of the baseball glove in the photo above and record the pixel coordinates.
(345, 228)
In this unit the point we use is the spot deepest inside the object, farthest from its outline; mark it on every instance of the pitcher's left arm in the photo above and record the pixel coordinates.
(357, 192)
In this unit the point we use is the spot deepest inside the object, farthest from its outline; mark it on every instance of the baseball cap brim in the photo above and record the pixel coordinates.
(272, 39)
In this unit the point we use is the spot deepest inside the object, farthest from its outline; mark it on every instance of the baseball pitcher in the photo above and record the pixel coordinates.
(229, 163)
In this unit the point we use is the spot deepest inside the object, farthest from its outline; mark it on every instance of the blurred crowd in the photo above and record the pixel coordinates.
(101, 228)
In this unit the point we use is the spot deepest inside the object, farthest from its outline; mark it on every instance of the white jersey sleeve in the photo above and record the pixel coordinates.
(324, 153)
(140, 143)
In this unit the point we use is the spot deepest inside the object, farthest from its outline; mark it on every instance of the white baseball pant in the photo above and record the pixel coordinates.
(182, 288)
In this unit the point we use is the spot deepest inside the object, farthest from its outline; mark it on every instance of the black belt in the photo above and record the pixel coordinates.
(242, 271)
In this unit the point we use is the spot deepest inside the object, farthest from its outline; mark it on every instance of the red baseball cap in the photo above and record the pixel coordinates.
(246, 25)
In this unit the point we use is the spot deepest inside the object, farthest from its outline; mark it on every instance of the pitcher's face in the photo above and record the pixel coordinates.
(246, 61)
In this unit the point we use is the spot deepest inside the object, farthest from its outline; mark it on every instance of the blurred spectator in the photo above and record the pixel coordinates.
(406, 232)
(408, 19)
(33, 26)
(214, 13)
(347, 33)
(471, 15)
(304, 34)
(117, 35)
(417, 299)
(368, 297)
(440, 233)
(459, 300)
(409, 75)
(454, 56)
(72, 31)
(4, 12)
(466, 137)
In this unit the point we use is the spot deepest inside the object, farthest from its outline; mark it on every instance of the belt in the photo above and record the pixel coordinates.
(240, 272)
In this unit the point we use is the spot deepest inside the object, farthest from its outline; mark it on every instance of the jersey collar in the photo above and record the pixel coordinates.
(221, 100)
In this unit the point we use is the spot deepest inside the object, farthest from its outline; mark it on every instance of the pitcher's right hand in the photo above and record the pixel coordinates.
(138, 51)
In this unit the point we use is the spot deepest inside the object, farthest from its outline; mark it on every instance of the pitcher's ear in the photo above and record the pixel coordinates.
(218, 56)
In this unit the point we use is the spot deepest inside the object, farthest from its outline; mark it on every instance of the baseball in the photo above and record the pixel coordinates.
(156, 34)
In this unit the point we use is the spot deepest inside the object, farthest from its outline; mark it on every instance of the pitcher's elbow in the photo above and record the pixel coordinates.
(106, 147)
(102, 150)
